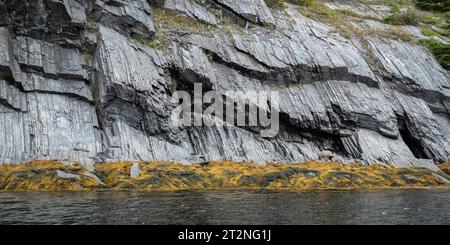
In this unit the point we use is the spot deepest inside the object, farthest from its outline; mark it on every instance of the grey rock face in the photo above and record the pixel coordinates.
(137, 86)
(298, 53)
(53, 60)
(425, 128)
(12, 97)
(76, 11)
(412, 68)
(47, 110)
(64, 175)
(9, 68)
(74, 92)
(95, 177)
(53, 127)
(62, 18)
(135, 171)
(127, 16)
(373, 10)
(189, 7)
(255, 11)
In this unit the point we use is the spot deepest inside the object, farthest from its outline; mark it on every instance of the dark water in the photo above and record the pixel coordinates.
(228, 207)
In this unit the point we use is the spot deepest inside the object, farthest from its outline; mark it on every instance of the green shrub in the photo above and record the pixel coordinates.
(441, 51)
(302, 2)
(392, 33)
(279, 4)
(91, 26)
(429, 19)
(151, 44)
(434, 5)
(409, 17)
(87, 58)
(429, 32)
(275, 4)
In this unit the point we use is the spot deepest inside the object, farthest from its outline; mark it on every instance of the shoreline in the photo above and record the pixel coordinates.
(431, 188)
(60, 176)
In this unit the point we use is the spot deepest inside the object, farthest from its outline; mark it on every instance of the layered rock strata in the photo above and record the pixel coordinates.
(91, 81)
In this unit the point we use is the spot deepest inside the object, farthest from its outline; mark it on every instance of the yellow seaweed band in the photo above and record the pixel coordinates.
(164, 176)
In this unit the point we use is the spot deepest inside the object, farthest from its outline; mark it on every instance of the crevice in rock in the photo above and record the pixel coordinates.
(433, 98)
(404, 84)
(132, 107)
(40, 70)
(185, 82)
(20, 87)
(229, 13)
(70, 95)
(6, 104)
(327, 140)
(413, 144)
(301, 74)
(40, 19)
(8, 77)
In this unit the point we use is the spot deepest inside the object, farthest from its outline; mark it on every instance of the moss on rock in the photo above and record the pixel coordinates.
(445, 167)
(441, 51)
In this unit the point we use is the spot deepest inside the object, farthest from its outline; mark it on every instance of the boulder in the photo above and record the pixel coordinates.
(135, 170)
(64, 175)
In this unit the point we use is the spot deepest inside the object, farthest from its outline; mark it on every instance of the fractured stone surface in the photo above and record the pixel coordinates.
(127, 16)
(253, 10)
(190, 7)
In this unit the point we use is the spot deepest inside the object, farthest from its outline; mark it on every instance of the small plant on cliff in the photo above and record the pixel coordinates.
(429, 32)
(165, 19)
(441, 51)
(434, 5)
(302, 2)
(87, 59)
(91, 26)
(445, 167)
(391, 33)
(433, 20)
(275, 4)
(409, 17)
(279, 4)
(334, 17)
(151, 44)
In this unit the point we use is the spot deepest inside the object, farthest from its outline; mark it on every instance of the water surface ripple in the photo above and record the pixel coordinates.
(228, 207)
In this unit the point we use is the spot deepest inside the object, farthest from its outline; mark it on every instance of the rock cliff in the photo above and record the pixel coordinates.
(90, 81)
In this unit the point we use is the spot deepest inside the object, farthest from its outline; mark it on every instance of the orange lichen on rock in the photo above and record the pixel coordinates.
(43, 176)
(445, 167)
(55, 176)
